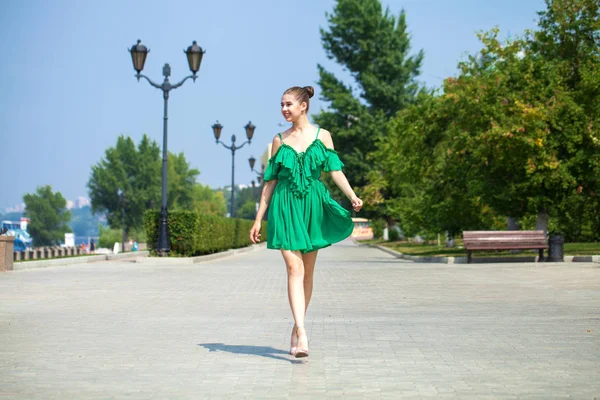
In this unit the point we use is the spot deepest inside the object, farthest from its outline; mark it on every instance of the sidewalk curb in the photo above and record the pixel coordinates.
(141, 257)
(463, 260)
(61, 262)
(197, 259)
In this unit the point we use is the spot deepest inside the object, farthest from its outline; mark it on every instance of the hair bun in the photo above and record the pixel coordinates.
(310, 90)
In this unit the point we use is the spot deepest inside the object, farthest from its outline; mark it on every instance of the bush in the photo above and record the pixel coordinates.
(193, 234)
(108, 237)
(393, 235)
(377, 225)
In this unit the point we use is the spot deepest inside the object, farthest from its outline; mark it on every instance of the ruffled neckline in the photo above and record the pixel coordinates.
(313, 143)
(302, 164)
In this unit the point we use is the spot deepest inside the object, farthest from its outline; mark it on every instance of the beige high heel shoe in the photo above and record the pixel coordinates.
(301, 351)
(294, 341)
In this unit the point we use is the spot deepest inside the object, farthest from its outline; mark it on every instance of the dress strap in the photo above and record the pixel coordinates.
(280, 138)
(318, 130)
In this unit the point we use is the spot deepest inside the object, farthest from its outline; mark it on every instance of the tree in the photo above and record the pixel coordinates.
(420, 189)
(505, 104)
(535, 134)
(374, 47)
(515, 133)
(569, 39)
(130, 178)
(127, 177)
(208, 201)
(247, 210)
(243, 198)
(181, 181)
(48, 216)
(108, 237)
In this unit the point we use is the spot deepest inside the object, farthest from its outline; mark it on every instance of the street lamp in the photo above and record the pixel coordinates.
(259, 178)
(261, 174)
(217, 128)
(194, 54)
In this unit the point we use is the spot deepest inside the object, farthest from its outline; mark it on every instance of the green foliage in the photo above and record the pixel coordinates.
(247, 210)
(136, 173)
(516, 133)
(393, 235)
(180, 183)
(243, 198)
(48, 216)
(133, 171)
(108, 237)
(193, 233)
(373, 46)
(208, 201)
(377, 225)
(245, 202)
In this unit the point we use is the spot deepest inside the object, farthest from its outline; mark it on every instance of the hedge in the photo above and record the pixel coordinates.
(193, 234)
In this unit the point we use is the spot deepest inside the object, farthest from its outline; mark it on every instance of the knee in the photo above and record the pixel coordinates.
(296, 269)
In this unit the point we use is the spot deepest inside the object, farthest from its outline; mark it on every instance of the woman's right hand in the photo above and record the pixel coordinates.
(255, 232)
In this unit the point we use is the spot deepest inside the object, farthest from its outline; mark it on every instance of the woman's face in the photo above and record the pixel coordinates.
(291, 109)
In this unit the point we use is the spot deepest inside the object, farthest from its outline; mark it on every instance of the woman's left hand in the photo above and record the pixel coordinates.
(356, 203)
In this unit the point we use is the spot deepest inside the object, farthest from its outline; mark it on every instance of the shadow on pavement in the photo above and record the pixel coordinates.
(262, 351)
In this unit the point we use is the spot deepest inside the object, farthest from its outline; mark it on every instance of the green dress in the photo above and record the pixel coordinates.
(302, 215)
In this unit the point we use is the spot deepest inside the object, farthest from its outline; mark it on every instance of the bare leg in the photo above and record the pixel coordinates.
(309, 260)
(295, 270)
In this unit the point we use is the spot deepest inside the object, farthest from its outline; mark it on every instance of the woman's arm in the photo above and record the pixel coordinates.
(342, 182)
(338, 176)
(265, 198)
(268, 187)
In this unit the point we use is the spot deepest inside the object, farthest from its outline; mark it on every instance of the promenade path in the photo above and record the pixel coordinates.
(379, 327)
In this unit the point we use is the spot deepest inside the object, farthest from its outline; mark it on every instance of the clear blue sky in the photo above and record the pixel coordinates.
(68, 86)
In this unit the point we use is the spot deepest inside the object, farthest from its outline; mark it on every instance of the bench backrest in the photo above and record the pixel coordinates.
(499, 239)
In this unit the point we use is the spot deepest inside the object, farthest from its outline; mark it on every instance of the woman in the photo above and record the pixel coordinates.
(302, 216)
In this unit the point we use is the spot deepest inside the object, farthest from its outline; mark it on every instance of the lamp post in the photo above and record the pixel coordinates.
(260, 175)
(217, 128)
(194, 55)
(259, 178)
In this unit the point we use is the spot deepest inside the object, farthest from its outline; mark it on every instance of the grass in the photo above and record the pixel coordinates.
(433, 250)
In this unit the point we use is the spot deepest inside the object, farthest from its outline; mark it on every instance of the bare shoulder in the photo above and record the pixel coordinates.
(326, 138)
(276, 143)
(277, 139)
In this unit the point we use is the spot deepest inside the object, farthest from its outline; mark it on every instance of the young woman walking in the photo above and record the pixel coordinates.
(303, 218)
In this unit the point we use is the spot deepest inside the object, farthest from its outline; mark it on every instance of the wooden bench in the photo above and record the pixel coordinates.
(504, 240)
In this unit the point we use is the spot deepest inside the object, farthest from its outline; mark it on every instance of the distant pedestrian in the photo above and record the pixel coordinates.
(92, 246)
(302, 217)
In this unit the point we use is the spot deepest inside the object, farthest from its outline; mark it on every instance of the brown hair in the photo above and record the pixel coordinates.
(302, 94)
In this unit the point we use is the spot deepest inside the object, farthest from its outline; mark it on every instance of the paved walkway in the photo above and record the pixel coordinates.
(379, 328)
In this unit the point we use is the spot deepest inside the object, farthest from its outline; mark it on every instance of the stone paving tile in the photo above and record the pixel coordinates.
(378, 327)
